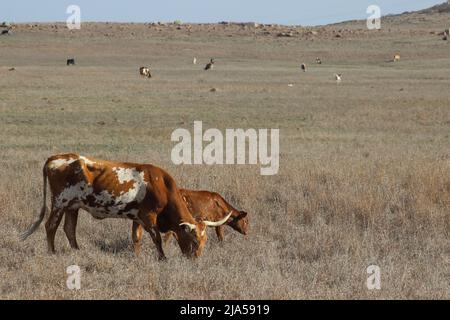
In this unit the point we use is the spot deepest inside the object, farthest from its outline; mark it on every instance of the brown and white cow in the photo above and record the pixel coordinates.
(144, 71)
(143, 193)
(206, 205)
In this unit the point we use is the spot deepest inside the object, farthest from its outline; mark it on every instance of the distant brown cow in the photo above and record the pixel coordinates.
(212, 206)
(143, 193)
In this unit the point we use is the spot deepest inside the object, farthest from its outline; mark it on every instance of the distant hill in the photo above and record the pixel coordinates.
(435, 17)
(439, 8)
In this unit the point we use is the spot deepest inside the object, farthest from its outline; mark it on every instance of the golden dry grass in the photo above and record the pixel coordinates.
(364, 172)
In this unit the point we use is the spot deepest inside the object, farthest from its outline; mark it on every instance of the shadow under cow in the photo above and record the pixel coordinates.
(115, 246)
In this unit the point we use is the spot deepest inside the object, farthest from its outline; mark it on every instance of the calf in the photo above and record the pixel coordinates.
(212, 206)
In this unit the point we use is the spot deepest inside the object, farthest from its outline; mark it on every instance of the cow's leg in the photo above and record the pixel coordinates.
(148, 222)
(51, 226)
(70, 227)
(219, 233)
(136, 235)
(156, 237)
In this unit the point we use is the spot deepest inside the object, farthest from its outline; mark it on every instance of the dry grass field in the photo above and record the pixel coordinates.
(364, 166)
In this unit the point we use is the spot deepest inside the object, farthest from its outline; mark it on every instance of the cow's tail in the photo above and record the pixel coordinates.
(36, 224)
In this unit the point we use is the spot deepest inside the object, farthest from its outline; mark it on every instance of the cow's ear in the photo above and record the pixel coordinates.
(243, 214)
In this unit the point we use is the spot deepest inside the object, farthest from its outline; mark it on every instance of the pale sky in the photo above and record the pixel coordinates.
(292, 12)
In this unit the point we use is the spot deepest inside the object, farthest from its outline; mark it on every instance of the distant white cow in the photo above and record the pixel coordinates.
(144, 71)
(194, 61)
(338, 77)
(396, 57)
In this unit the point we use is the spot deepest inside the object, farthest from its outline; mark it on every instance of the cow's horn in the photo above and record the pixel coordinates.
(218, 223)
(190, 225)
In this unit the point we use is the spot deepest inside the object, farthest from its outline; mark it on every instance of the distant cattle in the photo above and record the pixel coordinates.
(396, 58)
(194, 61)
(212, 206)
(143, 193)
(145, 71)
(210, 65)
(338, 77)
(303, 67)
(70, 62)
(318, 60)
(6, 32)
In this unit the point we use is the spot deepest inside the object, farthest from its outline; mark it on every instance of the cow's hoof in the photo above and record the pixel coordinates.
(162, 258)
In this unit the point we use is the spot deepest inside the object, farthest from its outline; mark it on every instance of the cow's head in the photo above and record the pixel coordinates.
(192, 236)
(240, 222)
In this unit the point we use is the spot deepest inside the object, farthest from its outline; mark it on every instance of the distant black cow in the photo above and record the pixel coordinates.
(303, 67)
(70, 62)
(210, 65)
(8, 32)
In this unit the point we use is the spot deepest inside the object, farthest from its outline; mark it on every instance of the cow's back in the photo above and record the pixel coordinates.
(63, 170)
(103, 188)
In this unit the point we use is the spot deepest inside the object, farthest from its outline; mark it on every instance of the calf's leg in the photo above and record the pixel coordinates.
(167, 236)
(136, 235)
(219, 233)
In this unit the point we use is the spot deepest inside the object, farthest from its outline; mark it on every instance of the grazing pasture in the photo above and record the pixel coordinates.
(364, 165)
